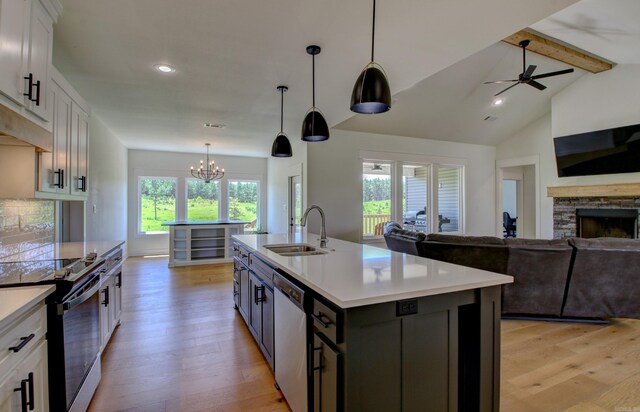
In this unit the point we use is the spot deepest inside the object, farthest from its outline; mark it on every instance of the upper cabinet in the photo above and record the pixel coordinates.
(65, 170)
(26, 42)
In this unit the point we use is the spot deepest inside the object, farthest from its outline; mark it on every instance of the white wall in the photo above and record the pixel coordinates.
(593, 102)
(335, 173)
(169, 164)
(279, 170)
(510, 197)
(107, 184)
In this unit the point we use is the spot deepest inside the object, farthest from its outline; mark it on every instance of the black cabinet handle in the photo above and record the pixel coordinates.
(31, 402)
(37, 99)
(256, 290)
(29, 88)
(119, 280)
(23, 395)
(60, 175)
(82, 186)
(243, 256)
(23, 342)
(319, 317)
(105, 302)
(319, 367)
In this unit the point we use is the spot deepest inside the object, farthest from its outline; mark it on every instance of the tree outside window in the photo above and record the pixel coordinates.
(203, 200)
(157, 203)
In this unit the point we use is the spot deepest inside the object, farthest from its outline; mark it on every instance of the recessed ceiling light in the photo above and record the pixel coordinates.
(215, 125)
(164, 68)
(498, 102)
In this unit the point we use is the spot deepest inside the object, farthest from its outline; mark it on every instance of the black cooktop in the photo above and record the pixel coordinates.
(37, 271)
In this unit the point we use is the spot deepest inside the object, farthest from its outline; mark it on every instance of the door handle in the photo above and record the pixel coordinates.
(37, 99)
(29, 87)
(105, 302)
(23, 342)
(257, 289)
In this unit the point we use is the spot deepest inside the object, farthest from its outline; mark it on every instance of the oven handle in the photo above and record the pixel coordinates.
(93, 285)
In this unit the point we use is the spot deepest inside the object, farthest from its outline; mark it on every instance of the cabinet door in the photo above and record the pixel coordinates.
(9, 399)
(54, 166)
(117, 300)
(39, 60)
(105, 321)
(327, 364)
(244, 293)
(79, 150)
(14, 19)
(266, 334)
(255, 305)
(34, 368)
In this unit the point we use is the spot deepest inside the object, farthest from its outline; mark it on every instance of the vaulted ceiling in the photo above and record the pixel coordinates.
(230, 56)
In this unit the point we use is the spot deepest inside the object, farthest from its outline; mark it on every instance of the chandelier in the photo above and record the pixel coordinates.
(209, 172)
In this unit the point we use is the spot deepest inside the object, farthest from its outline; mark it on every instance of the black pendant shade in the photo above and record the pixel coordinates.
(371, 93)
(281, 146)
(314, 126)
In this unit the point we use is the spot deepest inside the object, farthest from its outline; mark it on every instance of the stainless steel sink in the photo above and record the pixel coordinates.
(295, 249)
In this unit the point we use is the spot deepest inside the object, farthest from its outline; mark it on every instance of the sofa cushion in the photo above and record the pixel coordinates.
(512, 241)
(465, 240)
(407, 234)
(605, 243)
(391, 226)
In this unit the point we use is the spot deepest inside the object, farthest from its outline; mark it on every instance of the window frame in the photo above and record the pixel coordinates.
(398, 160)
(258, 183)
(139, 231)
(186, 196)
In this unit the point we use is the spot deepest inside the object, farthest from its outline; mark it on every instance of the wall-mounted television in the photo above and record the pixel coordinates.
(599, 153)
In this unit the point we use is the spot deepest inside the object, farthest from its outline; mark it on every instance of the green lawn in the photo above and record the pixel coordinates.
(377, 207)
(199, 210)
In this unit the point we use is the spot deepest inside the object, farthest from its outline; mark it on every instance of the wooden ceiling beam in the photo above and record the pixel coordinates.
(560, 52)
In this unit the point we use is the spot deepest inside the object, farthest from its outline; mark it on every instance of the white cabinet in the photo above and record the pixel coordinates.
(26, 43)
(24, 383)
(65, 170)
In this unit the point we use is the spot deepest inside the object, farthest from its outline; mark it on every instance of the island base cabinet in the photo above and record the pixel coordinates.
(327, 368)
(261, 315)
(443, 356)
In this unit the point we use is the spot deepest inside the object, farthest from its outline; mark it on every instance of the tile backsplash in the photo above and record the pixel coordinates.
(25, 225)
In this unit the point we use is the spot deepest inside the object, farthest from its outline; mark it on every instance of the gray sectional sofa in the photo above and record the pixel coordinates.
(563, 278)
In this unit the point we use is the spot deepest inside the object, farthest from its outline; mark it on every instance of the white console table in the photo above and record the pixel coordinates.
(199, 243)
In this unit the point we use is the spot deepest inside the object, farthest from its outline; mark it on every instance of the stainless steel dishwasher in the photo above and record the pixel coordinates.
(290, 327)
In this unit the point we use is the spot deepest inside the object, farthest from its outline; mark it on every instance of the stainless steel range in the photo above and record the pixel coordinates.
(73, 321)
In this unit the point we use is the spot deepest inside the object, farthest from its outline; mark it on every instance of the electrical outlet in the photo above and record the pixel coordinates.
(406, 307)
(94, 208)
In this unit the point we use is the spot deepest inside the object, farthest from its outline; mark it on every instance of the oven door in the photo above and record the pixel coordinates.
(81, 334)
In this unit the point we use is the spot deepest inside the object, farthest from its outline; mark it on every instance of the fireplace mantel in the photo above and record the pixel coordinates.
(611, 190)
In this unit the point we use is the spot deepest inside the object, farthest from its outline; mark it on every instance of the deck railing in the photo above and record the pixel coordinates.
(369, 223)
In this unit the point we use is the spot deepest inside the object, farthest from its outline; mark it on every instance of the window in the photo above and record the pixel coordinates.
(203, 200)
(415, 205)
(449, 198)
(376, 197)
(244, 203)
(157, 203)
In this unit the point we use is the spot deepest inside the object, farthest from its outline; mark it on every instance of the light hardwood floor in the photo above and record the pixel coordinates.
(182, 347)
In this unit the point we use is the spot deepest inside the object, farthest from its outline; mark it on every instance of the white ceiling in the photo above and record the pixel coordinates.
(231, 55)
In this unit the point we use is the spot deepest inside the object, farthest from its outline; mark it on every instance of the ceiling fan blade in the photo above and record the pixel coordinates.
(559, 72)
(500, 81)
(513, 85)
(530, 70)
(537, 85)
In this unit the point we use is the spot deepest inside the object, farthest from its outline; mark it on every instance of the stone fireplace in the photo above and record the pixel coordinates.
(602, 216)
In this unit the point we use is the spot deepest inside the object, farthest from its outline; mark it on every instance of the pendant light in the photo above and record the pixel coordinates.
(314, 127)
(281, 145)
(371, 92)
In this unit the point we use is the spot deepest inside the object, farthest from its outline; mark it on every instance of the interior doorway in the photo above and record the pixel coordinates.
(295, 202)
(518, 198)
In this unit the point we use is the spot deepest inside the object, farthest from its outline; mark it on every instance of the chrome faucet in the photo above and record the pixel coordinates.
(303, 222)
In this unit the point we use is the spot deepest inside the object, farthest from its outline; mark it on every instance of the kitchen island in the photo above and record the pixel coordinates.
(390, 331)
(201, 242)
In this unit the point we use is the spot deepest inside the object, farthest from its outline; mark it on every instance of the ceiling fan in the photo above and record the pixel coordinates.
(526, 75)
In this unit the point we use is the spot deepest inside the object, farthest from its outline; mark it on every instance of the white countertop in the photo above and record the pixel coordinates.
(14, 302)
(352, 274)
(64, 250)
